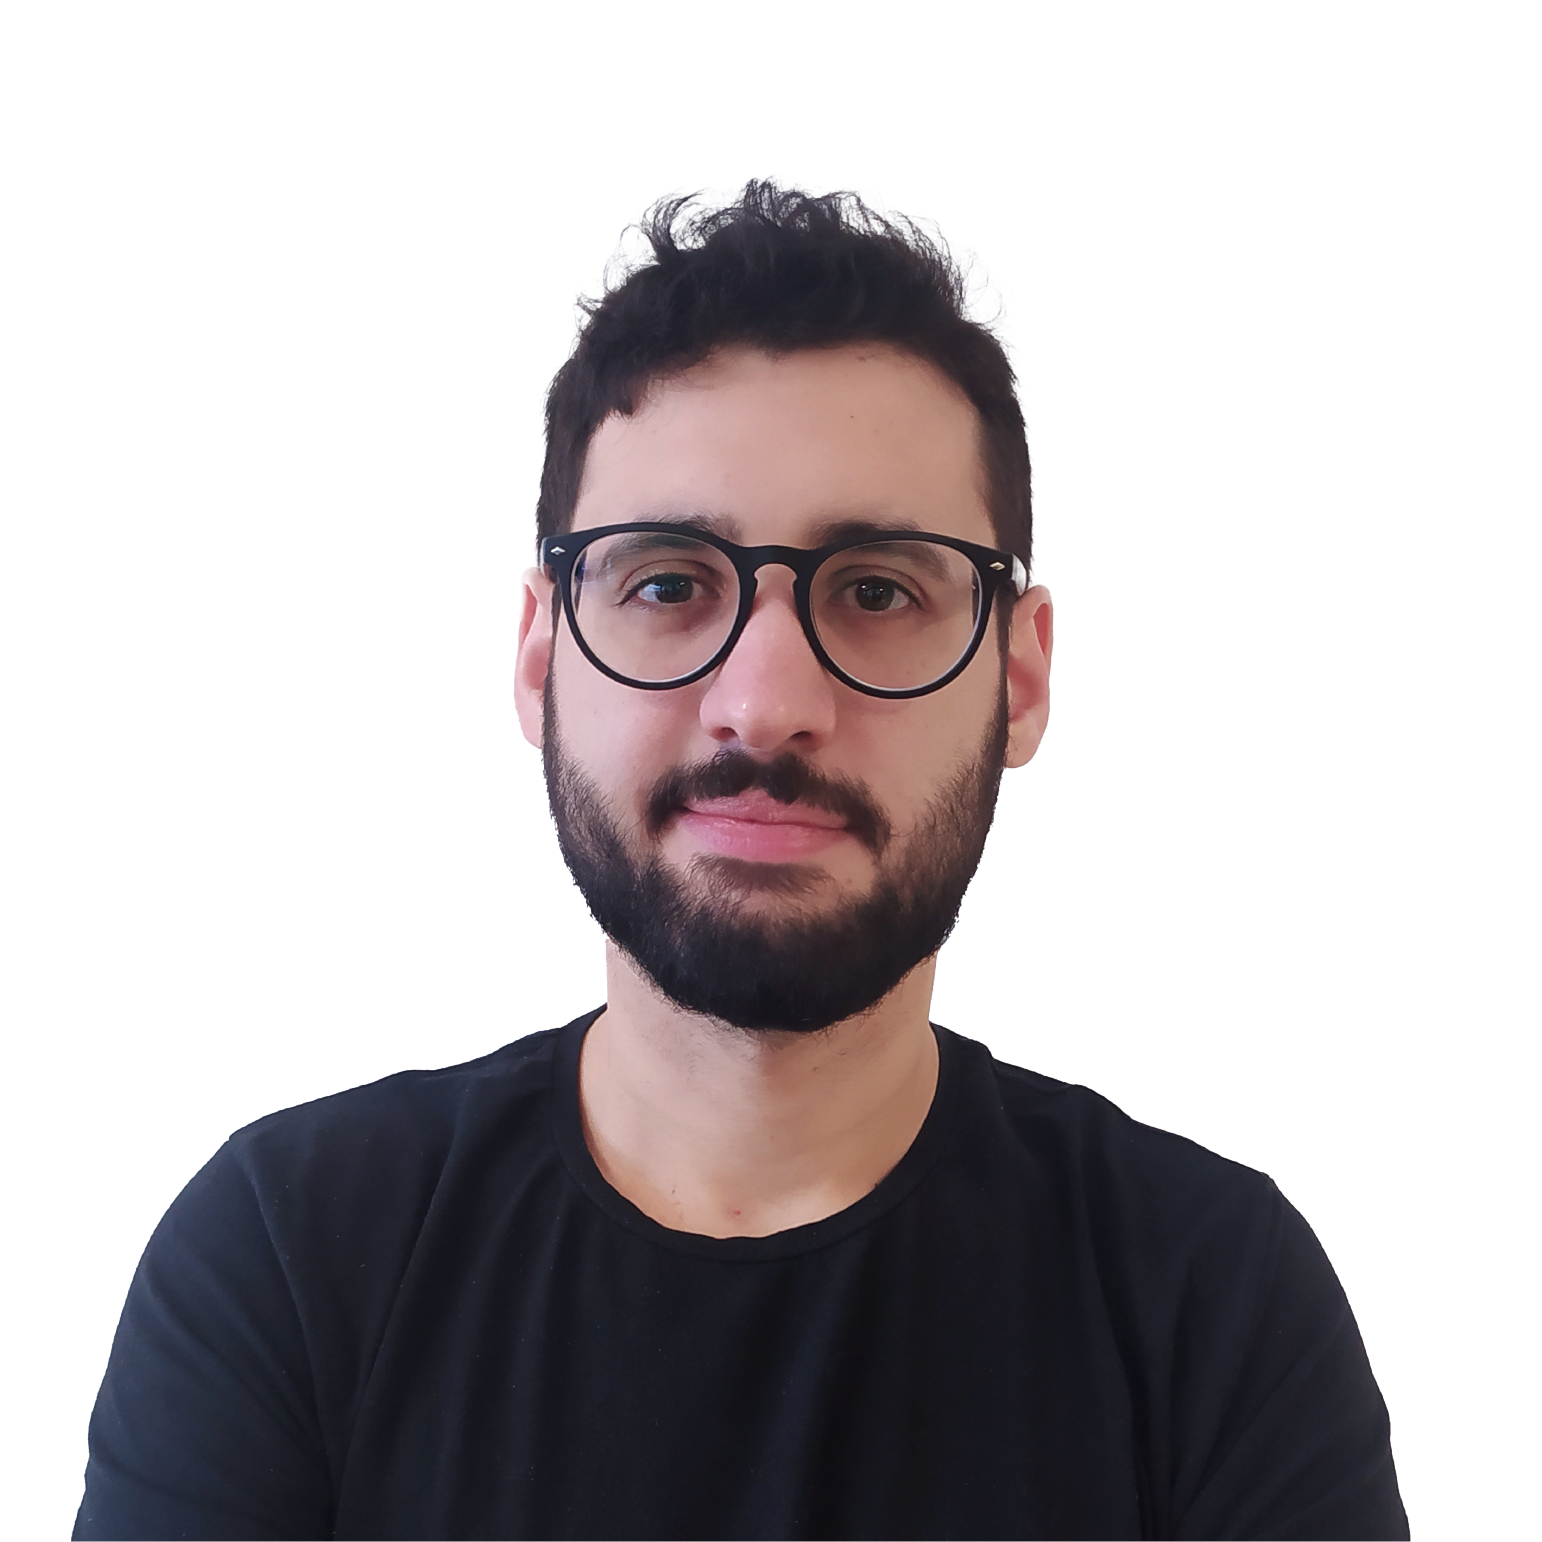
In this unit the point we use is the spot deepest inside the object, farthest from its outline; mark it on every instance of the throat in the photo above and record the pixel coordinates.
(727, 1133)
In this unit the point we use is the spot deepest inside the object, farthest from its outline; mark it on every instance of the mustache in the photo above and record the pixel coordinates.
(786, 779)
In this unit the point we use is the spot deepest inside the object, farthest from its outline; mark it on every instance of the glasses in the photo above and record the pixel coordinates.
(893, 613)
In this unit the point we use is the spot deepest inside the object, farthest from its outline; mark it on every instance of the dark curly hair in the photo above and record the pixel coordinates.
(781, 270)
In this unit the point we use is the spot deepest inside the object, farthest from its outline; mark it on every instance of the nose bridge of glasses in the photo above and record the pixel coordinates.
(779, 590)
(781, 594)
(755, 559)
(796, 559)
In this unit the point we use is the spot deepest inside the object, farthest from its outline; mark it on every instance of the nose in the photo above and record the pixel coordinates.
(771, 694)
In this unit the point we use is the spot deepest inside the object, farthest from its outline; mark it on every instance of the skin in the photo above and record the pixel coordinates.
(706, 1128)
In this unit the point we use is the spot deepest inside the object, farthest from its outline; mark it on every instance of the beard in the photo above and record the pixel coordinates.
(697, 934)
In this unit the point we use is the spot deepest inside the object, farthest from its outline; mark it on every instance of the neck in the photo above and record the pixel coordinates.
(726, 1133)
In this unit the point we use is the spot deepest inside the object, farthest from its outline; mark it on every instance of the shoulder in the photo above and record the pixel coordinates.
(359, 1169)
(1093, 1142)
(412, 1116)
(1241, 1352)
(264, 1295)
(1148, 1204)
(324, 1203)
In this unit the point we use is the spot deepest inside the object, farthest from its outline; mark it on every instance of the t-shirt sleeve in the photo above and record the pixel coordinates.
(206, 1422)
(1304, 1446)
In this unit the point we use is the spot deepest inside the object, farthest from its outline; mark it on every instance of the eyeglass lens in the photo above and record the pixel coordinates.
(656, 605)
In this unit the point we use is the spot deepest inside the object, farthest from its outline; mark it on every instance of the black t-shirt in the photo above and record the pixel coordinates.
(417, 1310)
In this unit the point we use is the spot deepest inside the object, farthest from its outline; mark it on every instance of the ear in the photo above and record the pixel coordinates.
(533, 659)
(1032, 640)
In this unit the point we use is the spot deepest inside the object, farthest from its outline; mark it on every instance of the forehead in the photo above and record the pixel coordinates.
(774, 447)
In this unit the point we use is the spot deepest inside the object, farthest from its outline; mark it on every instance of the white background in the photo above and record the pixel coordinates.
(281, 288)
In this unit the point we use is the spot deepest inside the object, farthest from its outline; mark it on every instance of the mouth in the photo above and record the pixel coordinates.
(754, 827)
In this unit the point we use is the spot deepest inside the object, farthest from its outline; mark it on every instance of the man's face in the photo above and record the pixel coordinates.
(863, 818)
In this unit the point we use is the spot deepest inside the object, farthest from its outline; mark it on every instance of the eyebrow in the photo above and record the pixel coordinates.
(826, 533)
(918, 553)
(851, 528)
(713, 523)
(619, 549)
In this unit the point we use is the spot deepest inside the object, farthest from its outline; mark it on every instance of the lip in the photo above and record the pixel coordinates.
(756, 828)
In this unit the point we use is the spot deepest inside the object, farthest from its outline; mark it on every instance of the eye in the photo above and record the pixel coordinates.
(879, 594)
(666, 589)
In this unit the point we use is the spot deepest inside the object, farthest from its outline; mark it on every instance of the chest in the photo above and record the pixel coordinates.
(571, 1380)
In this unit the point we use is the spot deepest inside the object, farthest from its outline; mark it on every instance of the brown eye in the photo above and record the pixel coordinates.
(878, 594)
(667, 589)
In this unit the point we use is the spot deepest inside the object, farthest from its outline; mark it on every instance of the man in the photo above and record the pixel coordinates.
(753, 1250)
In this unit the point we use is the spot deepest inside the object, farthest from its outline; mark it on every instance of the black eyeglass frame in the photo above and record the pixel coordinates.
(559, 554)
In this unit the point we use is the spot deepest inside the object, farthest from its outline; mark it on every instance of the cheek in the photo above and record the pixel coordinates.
(622, 739)
(912, 750)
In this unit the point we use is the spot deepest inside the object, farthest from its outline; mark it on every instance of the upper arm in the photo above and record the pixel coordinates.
(206, 1422)
(1304, 1447)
